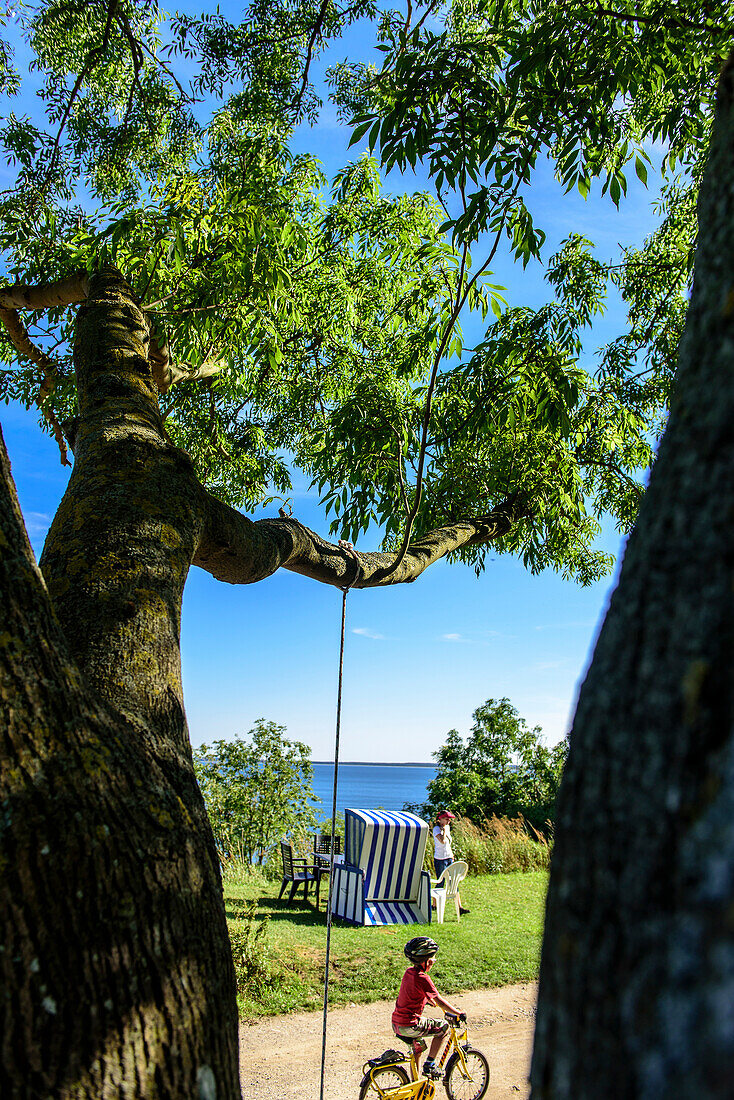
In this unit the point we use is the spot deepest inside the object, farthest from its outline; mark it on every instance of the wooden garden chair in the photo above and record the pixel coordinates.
(297, 872)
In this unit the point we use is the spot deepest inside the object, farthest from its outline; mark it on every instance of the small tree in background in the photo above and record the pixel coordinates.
(502, 768)
(256, 790)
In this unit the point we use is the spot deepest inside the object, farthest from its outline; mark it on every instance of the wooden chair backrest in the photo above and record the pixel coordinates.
(322, 844)
(286, 851)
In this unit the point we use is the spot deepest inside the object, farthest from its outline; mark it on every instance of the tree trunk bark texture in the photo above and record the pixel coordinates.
(116, 978)
(637, 976)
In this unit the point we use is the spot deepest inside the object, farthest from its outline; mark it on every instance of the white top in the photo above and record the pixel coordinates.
(442, 849)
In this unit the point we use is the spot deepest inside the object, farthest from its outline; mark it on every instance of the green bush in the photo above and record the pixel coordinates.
(257, 974)
(256, 790)
(236, 871)
(501, 768)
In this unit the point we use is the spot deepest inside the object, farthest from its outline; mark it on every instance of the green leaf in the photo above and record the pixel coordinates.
(359, 132)
(614, 190)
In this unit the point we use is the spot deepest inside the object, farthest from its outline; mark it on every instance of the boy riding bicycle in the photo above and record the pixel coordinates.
(417, 990)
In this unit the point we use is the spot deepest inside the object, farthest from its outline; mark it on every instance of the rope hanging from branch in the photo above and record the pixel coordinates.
(346, 546)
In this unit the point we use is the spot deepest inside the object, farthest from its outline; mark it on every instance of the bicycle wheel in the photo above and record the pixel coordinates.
(473, 1087)
(381, 1079)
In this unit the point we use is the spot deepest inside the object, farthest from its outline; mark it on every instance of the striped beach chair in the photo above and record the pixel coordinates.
(382, 880)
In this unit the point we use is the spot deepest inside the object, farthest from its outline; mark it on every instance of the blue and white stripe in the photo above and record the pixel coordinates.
(388, 846)
(347, 896)
(381, 880)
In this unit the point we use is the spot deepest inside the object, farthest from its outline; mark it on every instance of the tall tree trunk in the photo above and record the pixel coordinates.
(637, 973)
(117, 979)
(115, 961)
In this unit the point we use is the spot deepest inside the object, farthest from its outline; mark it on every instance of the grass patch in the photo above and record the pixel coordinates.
(497, 944)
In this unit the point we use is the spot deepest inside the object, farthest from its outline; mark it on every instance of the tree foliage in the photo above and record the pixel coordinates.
(267, 325)
(257, 790)
(325, 332)
(486, 96)
(501, 768)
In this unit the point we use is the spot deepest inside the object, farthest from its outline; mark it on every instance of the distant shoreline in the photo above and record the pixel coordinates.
(377, 763)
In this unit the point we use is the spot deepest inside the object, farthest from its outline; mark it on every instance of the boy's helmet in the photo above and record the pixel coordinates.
(420, 948)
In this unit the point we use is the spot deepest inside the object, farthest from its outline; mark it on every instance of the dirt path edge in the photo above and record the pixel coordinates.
(281, 1056)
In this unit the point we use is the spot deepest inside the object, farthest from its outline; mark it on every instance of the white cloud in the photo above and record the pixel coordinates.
(454, 638)
(367, 633)
(37, 523)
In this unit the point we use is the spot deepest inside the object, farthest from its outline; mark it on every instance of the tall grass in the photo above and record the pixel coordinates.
(234, 857)
(500, 845)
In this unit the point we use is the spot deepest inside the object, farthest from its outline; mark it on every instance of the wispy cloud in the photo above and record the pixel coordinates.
(482, 641)
(329, 119)
(36, 523)
(367, 633)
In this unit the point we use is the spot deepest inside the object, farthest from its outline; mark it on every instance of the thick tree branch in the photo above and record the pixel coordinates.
(74, 289)
(23, 344)
(25, 347)
(63, 292)
(167, 373)
(235, 549)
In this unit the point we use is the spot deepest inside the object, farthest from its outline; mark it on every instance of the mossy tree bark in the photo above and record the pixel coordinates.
(117, 979)
(637, 973)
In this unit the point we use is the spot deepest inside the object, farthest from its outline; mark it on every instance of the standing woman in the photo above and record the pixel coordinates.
(443, 855)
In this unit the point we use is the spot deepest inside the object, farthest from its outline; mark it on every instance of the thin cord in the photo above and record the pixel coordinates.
(350, 549)
(333, 831)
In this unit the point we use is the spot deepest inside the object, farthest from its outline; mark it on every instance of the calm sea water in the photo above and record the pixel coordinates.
(371, 786)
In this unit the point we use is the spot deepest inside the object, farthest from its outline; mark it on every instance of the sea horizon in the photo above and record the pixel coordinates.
(371, 784)
(380, 763)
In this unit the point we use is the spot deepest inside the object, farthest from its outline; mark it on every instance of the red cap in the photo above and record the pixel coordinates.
(446, 813)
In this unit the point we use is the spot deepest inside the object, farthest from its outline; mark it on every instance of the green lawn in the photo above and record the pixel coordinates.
(497, 944)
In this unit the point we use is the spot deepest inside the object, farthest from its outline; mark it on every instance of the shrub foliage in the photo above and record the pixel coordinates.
(256, 791)
(502, 769)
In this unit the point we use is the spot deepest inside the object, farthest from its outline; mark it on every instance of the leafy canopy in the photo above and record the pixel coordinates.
(257, 790)
(501, 768)
(328, 321)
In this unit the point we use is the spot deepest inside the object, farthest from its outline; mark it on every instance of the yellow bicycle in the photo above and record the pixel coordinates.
(465, 1071)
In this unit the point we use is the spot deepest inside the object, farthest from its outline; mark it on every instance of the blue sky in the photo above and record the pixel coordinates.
(419, 658)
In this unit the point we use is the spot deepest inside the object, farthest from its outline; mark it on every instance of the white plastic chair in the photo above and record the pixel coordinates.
(447, 886)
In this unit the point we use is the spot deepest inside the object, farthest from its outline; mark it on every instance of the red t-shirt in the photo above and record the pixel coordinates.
(415, 989)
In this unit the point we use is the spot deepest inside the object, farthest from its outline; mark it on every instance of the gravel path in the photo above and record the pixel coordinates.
(280, 1058)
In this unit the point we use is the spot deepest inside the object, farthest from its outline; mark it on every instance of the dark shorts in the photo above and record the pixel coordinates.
(441, 865)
